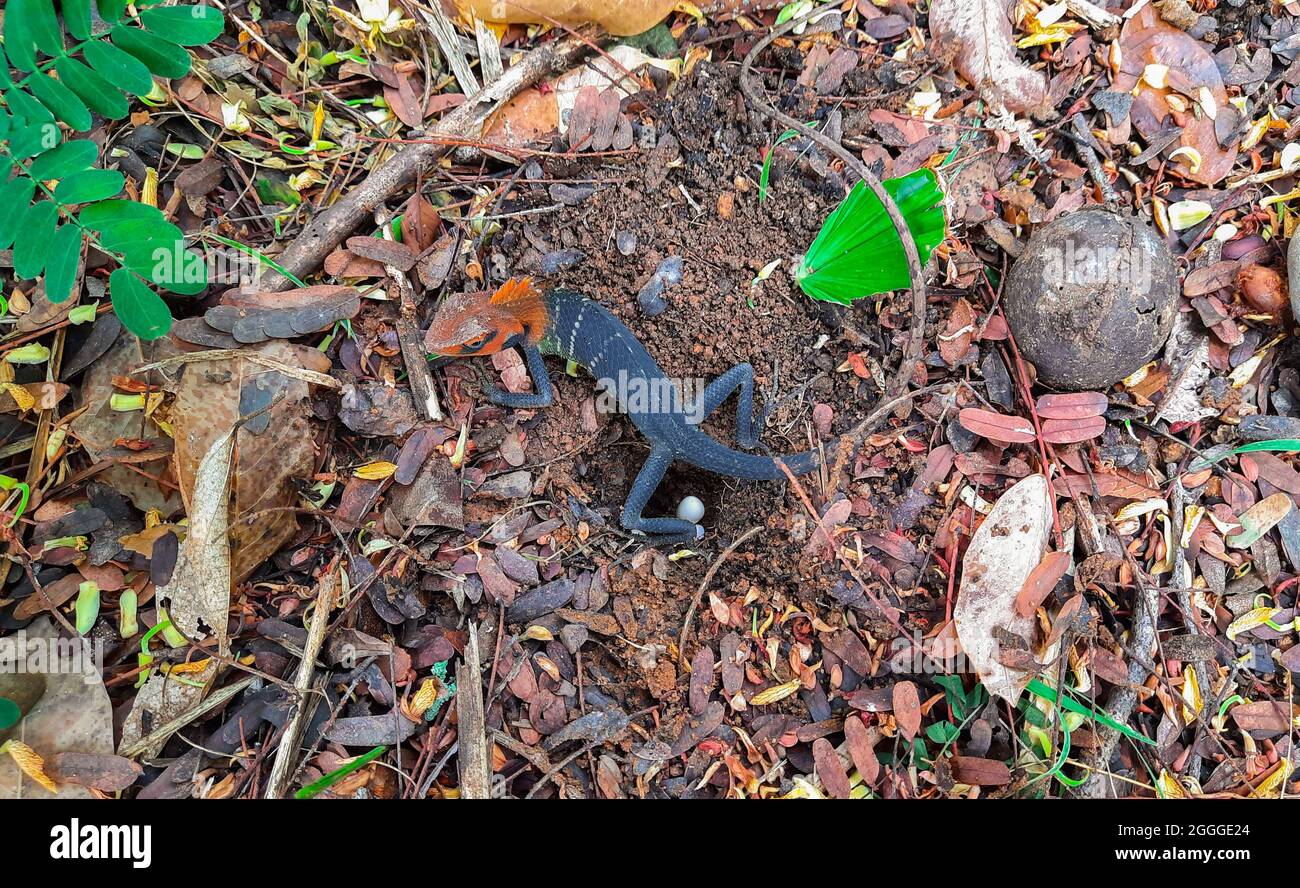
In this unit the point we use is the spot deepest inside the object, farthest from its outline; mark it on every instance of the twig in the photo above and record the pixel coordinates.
(471, 728)
(282, 770)
(408, 336)
(331, 226)
(704, 584)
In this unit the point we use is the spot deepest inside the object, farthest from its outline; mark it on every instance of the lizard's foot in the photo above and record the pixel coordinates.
(518, 400)
(656, 533)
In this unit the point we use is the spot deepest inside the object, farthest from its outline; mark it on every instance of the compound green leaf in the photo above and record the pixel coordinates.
(76, 18)
(61, 101)
(68, 158)
(32, 245)
(162, 58)
(119, 67)
(94, 89)
(15, 196)
(184, 25)
(139, 308)
(61, 267)
(88, 186)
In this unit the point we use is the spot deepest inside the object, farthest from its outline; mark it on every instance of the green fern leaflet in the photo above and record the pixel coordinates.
(58, 69)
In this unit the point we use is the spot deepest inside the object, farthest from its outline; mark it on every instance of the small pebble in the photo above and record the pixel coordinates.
(690, 509)
(651, 298)
(626, 242)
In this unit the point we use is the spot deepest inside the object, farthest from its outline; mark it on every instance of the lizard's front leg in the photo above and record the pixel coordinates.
(659, 530)
(539, 397)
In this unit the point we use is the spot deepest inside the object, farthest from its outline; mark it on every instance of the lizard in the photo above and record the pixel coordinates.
(563, 322)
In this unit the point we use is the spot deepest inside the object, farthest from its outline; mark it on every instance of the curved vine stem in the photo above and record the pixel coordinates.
(757, 98)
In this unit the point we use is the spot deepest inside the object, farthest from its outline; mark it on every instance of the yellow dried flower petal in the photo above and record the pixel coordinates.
(776, 693)
(1249, 620)
(30, 763)
(376, 471)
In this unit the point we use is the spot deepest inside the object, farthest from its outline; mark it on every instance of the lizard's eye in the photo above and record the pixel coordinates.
(475, 344)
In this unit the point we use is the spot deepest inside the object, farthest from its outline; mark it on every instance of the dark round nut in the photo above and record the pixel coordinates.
(1092, 298)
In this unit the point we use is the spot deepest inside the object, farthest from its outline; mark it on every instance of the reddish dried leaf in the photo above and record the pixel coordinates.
(1072, 431)
(956, 338)
(996, 426)
(980, 771)
(1148, 39)
(1273, 470)
(1076, 405)
(1265, 716)
(1041, 581)
(858, 738)
(907, 709)
(384, 251)
(829, 768)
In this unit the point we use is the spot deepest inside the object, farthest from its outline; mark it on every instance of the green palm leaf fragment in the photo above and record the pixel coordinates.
(858, 253)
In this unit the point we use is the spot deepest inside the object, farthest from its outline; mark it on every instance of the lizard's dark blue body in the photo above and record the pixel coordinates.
(584, 332)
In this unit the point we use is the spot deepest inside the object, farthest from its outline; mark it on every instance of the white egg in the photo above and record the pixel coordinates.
(690, 509)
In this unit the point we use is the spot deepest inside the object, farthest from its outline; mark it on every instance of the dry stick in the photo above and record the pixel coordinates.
(758, 99)
(471, 727)
(408, 336)
(704, 584)
(332, 226)
(282, 770)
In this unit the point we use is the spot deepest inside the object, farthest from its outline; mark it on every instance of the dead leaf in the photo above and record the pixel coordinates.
(269, 452)
(907, 709)
(977, 35)
(1147, 39)
(1002, 554)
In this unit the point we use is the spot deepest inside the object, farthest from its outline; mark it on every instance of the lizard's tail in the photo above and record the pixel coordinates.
(712, 456)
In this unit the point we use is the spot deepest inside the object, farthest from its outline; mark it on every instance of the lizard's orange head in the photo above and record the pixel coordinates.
(484, 323)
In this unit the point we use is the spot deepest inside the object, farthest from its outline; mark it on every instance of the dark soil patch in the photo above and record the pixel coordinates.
(706, 209)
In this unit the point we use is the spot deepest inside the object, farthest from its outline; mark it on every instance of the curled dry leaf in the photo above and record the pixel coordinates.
(269, 451)
(1002, 554)
(977, 36)
(1041, 581)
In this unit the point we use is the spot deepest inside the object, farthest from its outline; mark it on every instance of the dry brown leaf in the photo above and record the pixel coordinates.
(1003, 553)
(1147, 39)
(977, 34)
(269, 452)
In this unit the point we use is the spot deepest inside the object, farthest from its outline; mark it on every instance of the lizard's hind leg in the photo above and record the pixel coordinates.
(739, 378)
(659, 530)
